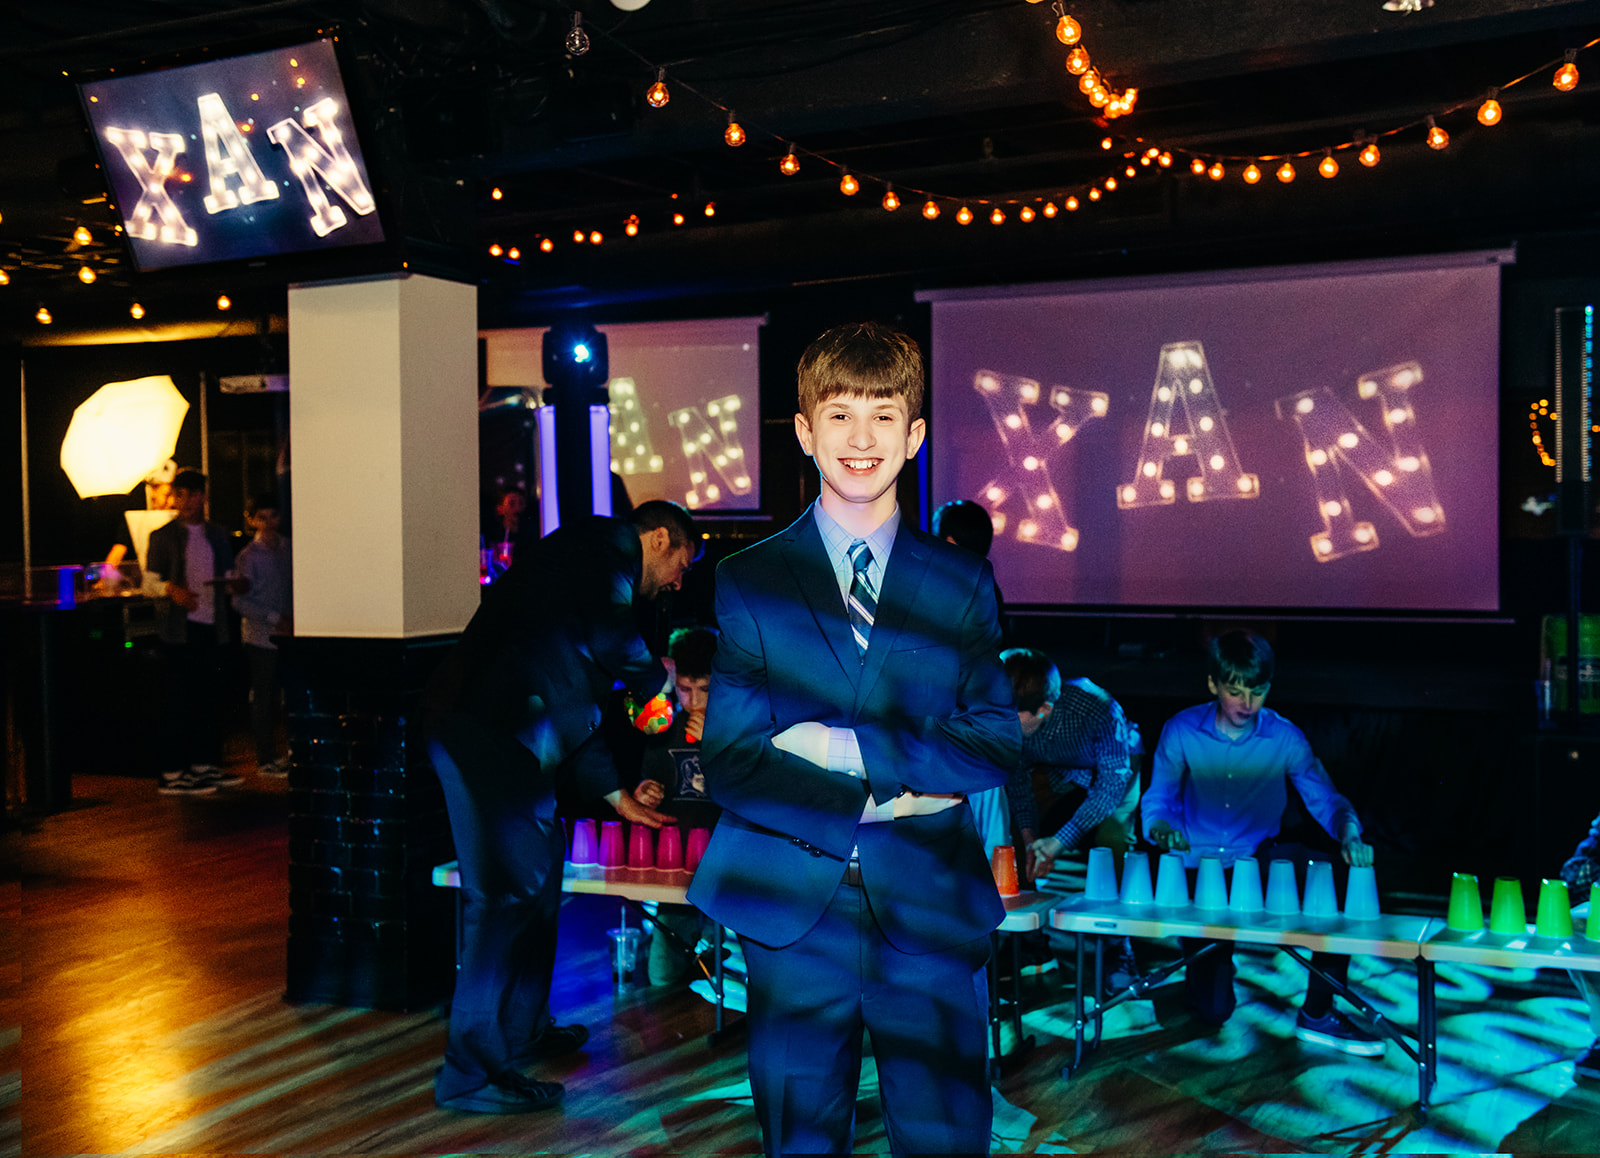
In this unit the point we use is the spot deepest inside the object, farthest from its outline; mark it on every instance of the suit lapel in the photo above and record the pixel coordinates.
(813, 574)
(902, 581)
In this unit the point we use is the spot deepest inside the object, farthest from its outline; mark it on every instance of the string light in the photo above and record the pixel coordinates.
(1369, 155)
(136, 311)
(546, 245)
(1111, 184)
(82, 235)
(1107, 143)
(1252, 173)
(1130, 171)
(1286, 172)
(596, 237)
(1078, 61)
(848, 185)
(890, 201)
(1489, 112)
(1164, 159)
(1072, 204)
(224, 302)
(1437, 137)
(44, 316)
(657, 96)
(930, 209)
(734, 134)
(577, 39)
(1068, 30)
(964, 215)
(1566, 77)
(1197, 167)
(1217, 172)
(514, 254)
(677, 219)
(998, 217)
(1049, 209)
(1088, 82)
(86, 274)
(1328, 167)
(578, 236)
(711, 209)
(496, 193)
(495, 250)
(1026, 213)
(1094, 194)
(790, 165)
(631, 225)
(5, 278)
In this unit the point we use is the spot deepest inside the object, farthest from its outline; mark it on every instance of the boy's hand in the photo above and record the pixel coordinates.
(1357, 853)
(1167, 838)
(631, 810)
(1042, 855)
(650, 793)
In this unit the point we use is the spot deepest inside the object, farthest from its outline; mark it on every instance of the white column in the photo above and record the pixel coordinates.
(383, 434)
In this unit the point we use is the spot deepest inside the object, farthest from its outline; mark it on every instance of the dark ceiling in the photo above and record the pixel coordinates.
(962, 103)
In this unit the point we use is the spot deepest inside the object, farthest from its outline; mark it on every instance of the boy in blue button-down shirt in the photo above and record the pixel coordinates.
(1218, 787)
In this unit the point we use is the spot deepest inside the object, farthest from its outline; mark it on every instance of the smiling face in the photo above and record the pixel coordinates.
(859, 445)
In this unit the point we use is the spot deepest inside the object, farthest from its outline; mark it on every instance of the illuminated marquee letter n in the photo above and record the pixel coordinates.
(1186, 418)
(155, 217)
(1039, 517)
(711, 443)
(228, 157)
(1398, 475)
(330, 160)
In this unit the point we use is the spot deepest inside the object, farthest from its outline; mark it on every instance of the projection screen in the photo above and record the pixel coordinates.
(1308, 437)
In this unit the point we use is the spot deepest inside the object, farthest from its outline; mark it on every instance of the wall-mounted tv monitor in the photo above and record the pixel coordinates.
(685, 413)
(254, 156)
(1321, 437)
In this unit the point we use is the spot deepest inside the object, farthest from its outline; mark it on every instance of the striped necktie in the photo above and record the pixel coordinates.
(862, 604)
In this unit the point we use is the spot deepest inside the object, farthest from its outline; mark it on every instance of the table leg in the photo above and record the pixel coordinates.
(992, 970)
(1077, 1009)
(1428, 1030)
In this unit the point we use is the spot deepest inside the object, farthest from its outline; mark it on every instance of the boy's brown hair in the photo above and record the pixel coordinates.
(861, 359)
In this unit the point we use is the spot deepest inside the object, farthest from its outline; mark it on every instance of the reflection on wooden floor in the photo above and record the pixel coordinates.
(141, 973)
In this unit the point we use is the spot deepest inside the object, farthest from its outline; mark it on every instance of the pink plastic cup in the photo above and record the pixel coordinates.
(669, 849)
(585, 846)
(641, 847)
(611, 844)
(696, 848)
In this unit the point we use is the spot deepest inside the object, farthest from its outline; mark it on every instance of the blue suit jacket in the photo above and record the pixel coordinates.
(931, 708)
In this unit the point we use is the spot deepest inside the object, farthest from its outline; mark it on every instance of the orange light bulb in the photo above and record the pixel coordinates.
(1217, 172)
(790, 165)
(1197, 167)
(891, 202)
(711, 209)
(1437, 137)
(657, 96)
(1369, 155)
(1099, 98)
(546, 245)
(1078, 61)
(579, 236)
(631, 225)
(596, 237)
(495, 250)
(136, 311)
(1072, 204)
(497, 193)
(998, 217)
(1026, 213)
(1088, 82)
(1490, 112)
(1328, 167)
(1094, 194)
(848, 185)
(1566, 77)
(1286, 172)
(1252, 173)
(86, 274)
(44, 316)
(1107, 144)
(224, 302)
(930, 209)
(734, 134)
(677, 219)
(514, 253)
(1111, 184)
(1049, 209)
(964, 215)
(1164, 159)
(1068, 30)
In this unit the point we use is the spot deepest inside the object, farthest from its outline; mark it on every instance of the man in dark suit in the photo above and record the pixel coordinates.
(856, 697)
(513, 715)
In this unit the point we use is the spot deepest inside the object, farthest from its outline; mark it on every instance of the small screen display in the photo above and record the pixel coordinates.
(246, 157)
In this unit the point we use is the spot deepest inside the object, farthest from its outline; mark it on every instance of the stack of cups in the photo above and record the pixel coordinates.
(1245, 895)
(1136, 888)
(585, 845)
(1466, 905)
(1508, 915)
(1101, 884)
(1210, 889)
(1283, 895)
(1321, 900)
(1554, 917)
(1361, 895)
(1172, 882)
(611, 854)
(1003, 863)
(669, 851)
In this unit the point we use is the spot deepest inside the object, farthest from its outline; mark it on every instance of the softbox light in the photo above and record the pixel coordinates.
(123, 432)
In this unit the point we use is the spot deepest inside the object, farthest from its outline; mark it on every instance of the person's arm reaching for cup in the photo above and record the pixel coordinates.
(1357, 853)
(1167, 838)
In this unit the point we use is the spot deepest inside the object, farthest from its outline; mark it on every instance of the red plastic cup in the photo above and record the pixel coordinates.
(669, 849)
(696, 848)
(641, 847)
(1003, 863)
(585, 845)
(611, 844)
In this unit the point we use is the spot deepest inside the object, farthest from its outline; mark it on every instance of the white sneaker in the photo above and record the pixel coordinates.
(184, 784)
(211, 774)
(277, 769)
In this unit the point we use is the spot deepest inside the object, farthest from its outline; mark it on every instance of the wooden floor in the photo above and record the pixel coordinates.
(141, 1012)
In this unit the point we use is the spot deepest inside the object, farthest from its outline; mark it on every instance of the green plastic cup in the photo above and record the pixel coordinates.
(1594, 912)
(1507, 913)
(1554, 918)
(1466, 906)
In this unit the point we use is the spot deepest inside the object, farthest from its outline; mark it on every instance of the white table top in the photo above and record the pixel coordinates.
(1026, 911)
(1388, 936)
(1526, 950)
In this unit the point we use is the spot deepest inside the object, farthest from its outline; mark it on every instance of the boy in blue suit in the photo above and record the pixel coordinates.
(856, 698)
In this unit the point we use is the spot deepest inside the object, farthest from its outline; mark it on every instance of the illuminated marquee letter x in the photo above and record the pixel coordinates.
(1010, 399)
(1398, 475)
(309, 160)
(1183, 387)
(155, 205)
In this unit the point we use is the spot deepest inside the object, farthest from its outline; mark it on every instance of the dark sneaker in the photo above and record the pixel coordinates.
(1337, 1031)
(277, 769)
(1588, 1066)
(184, 784)
(211, 774)
(512, 1094)
(554, 1041)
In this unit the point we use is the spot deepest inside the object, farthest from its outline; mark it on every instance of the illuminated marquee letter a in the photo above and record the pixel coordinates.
(228, 157)
(1186, 418)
